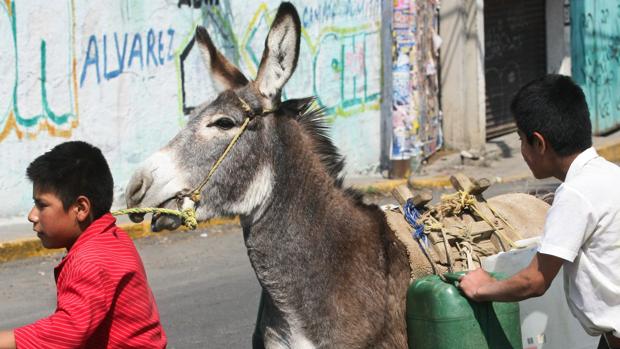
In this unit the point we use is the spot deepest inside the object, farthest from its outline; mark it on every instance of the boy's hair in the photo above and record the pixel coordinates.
(72, 169)
(555, 107)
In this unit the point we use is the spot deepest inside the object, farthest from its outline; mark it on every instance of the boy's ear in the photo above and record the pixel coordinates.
(539, 142)
(83, 208)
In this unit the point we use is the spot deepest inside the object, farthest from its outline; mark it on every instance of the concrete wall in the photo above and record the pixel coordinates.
(462, 66)
(109, 72)
(462, 74)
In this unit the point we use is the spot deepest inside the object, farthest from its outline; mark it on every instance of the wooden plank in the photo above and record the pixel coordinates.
(420, 199)
(475, 187)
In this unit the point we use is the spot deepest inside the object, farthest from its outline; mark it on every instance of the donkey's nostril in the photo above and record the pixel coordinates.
(136, 217)
(136, 189)
(136, 192)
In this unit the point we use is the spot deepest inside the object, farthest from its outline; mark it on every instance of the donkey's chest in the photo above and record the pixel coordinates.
(291, 337)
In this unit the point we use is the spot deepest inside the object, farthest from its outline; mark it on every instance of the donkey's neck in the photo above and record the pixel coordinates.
(305, 231)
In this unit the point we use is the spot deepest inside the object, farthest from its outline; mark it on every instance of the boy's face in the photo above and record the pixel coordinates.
(533, 156)
(55, 227)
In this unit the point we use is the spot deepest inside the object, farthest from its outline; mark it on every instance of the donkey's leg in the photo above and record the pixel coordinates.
(271, 331)
(258, 342)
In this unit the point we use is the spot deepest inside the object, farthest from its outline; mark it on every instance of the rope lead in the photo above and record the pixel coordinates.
(188, 215)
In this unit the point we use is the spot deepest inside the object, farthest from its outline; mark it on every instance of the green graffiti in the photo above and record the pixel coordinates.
(340, 56)
(29, 122)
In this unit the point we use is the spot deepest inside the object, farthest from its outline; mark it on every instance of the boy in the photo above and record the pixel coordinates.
(103, 297)
(582, 229)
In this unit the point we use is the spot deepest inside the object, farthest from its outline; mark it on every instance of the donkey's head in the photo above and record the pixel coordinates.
(244, 179)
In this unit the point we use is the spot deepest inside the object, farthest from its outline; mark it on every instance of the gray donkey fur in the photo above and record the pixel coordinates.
(333, 275)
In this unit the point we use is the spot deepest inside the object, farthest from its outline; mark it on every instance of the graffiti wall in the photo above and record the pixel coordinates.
(124, 75)
(595, 52)
(416, 118)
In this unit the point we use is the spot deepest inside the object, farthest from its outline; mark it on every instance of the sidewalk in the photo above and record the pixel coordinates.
(501, 163)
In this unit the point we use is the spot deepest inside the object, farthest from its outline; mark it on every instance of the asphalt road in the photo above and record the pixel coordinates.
(205, 288)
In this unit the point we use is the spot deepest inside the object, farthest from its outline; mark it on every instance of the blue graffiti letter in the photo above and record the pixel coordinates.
(150, 47)
(136, 50)
(90, 59)
(120, 57)
(170, 52)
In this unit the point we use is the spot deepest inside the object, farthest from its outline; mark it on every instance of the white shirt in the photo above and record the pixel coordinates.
(583, 228)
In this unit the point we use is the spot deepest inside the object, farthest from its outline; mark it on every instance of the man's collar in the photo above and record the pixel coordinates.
(580, 161)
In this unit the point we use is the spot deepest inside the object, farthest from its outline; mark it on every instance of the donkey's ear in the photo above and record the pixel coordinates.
(281, 52)
(224, 72)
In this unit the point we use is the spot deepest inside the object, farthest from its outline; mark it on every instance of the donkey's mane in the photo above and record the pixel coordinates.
(312, 120)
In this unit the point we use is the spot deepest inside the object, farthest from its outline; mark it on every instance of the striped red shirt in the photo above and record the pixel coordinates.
(104, 299)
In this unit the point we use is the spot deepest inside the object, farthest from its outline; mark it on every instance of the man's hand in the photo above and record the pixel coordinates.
(472, 281)
(532, 281)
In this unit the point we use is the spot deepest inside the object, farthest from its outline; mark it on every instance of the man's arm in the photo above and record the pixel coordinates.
(7, 340)
(533, 281)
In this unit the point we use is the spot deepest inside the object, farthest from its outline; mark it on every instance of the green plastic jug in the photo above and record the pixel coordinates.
(439, 317)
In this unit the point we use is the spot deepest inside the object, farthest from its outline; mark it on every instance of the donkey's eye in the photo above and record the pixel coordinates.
(223, 123)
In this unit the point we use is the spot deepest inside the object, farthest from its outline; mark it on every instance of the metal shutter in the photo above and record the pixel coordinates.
(515, 53)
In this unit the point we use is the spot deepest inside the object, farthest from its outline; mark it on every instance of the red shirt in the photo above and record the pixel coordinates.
(104, 299)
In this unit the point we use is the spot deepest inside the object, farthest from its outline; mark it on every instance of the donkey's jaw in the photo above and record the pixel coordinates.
(256, 195)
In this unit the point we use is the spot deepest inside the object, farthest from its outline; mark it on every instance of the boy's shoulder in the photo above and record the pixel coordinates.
(597, 180)
(598, 168)
(104, 246)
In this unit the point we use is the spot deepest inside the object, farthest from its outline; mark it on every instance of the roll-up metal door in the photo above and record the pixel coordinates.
(515, 53)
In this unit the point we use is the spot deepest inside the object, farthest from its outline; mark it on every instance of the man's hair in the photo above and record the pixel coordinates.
(555, 107)
(72, 169)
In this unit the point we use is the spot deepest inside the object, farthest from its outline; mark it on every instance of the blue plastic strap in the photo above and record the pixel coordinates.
(411, 216)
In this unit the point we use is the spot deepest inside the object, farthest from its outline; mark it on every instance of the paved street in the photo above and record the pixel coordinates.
(205, 288)
(204, 285)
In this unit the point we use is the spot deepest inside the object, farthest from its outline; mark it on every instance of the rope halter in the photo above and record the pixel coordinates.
(187, 211)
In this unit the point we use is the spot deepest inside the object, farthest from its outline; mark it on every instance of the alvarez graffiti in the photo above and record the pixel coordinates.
(116, 56)
(39, 90)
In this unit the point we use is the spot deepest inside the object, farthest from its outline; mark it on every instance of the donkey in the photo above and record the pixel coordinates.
(333, 274)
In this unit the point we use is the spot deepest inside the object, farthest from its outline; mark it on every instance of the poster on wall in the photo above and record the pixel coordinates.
(416, 116)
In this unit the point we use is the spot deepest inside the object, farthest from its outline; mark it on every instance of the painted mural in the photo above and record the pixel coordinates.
(595, 42)
(416, 117)
(123, 75)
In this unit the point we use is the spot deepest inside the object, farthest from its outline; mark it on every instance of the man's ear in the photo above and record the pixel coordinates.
(83, 208)
(539, 142)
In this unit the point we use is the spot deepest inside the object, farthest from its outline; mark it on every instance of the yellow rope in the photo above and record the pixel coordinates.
(196, 193)
(453, 205)
(188, 215)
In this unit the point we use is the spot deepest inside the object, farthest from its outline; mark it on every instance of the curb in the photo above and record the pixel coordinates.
(384, 186)
(31, 247)
(440, 182)
(610, 151)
